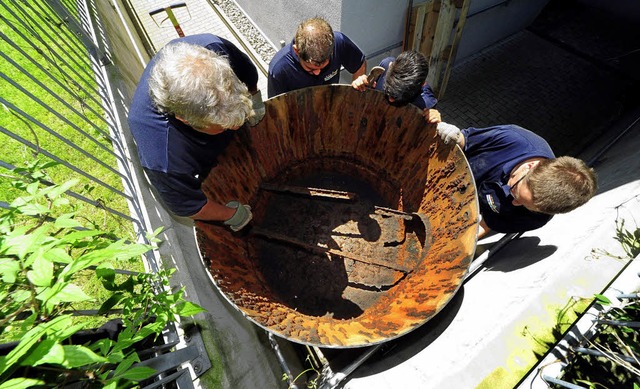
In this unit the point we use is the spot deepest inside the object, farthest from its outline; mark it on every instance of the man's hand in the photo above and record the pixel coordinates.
(449, 132)
(431, 115)
(241, 217)
(258, 108)
(360, 83)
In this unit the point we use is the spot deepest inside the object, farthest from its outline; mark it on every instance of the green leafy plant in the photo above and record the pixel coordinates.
(615, 358)
(310, 384)
(45, 259)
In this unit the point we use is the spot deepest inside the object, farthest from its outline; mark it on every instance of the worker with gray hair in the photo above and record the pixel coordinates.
(520, 182)
(314, 57)
(191, 97)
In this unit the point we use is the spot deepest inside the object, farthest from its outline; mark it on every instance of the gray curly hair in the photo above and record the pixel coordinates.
(199, 86)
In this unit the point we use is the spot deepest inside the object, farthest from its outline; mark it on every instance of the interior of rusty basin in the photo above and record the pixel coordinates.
(364, 223)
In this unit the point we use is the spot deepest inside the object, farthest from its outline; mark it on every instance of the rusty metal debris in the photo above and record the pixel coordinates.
(325, 250)
(313, 192)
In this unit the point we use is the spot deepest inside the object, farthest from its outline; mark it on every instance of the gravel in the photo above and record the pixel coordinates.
(243, 25)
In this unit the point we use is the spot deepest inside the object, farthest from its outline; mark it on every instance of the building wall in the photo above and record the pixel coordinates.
(490, 21)
(377, 26)
(626, 9)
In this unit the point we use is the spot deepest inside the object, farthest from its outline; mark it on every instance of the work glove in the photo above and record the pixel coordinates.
(241, 217)
(258, 108)
(449, 132)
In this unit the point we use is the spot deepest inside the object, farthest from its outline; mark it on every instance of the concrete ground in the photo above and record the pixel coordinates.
(545, 79)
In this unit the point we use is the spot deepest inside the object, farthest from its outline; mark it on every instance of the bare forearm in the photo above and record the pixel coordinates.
(484, 229)
(214, 211)
(360, 71)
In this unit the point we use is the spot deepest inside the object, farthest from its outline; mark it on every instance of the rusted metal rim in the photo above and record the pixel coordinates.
(316, 132)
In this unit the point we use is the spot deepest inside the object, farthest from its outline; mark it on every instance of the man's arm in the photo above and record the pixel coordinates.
(214, 211)
(483, 230)
(360, 71)
(234, 214)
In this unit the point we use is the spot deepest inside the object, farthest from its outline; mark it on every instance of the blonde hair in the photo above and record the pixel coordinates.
(314, 40)
(199, 86)
(561, 185)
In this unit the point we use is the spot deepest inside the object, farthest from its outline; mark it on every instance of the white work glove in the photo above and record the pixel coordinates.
(241, 217)
(258, 108)
(449, 132)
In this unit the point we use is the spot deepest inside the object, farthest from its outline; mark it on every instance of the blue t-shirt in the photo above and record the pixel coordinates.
(493, 153)
(286, 73)
(176, 157)
(426, 99)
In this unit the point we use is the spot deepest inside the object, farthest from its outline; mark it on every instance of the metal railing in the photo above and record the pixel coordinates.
(57, 105)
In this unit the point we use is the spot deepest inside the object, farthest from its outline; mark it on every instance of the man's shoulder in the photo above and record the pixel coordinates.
(281, 59)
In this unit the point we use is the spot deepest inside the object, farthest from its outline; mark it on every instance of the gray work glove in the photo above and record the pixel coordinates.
(258, 108)
(449, 132)
(241, 217)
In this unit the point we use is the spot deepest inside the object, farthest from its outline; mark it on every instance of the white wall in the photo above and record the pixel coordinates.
(378, 24)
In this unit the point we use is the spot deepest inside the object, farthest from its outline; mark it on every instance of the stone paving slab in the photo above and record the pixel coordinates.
(528, 81)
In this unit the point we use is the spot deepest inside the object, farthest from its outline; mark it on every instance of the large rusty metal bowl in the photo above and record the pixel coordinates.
(334, 272)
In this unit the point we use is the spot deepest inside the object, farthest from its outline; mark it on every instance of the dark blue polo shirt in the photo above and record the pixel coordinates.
(176, 157)
(286, 73)
(426, 99)
(492, 153)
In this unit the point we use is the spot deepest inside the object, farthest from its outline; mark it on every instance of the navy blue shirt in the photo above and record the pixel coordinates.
(176, 157)
(492, 153)
(286, 73)
(426, 99)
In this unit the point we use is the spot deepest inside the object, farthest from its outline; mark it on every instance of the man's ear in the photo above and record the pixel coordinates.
(295, 49)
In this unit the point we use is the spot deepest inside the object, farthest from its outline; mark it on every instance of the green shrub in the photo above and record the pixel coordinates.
(45, 256)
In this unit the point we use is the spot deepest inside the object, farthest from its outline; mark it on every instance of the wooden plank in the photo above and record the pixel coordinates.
(454, 46)
(439, 52)
(429, 29)
(419, 25)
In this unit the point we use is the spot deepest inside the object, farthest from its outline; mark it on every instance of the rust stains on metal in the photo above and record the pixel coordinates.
(411, 204)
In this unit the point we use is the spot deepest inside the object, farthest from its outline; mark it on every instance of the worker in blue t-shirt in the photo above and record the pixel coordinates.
(404, 81)
(520, 182)
(191, 93)
(314, 57)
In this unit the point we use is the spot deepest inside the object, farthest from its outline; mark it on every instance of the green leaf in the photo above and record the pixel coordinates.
(47, 351)
(21, 244)
(115, 251)
(75, 236)
(116, 357)
(76, 356)
(66, 294)
(125, 364)
(138, 373)
(33, 209)
(29, 340)
(41, 273)
(188, 308)
(56, 190)
(9, 269)
(110, 303)
(32, 188)
(19, 383)
(602, 299)
(20, 295)
(58, 255)
(67, 221)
